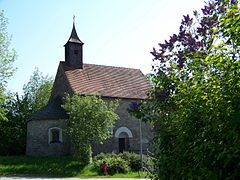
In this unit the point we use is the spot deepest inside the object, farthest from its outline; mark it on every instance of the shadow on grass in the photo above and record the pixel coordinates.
(64, 166)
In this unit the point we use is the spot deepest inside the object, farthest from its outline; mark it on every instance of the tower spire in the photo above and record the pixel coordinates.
(73, 50)
(74, 37)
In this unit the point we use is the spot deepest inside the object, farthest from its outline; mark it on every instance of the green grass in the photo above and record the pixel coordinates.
(64, 166)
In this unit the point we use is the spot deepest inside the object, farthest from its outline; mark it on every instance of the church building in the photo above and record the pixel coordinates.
(45, 130)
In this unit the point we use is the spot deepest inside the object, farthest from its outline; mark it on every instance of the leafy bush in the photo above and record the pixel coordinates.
(103, 156)
(194, 105)
(115, 164)
(133, 159)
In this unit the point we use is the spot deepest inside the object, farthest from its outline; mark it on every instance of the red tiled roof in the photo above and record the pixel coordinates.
(107, 81)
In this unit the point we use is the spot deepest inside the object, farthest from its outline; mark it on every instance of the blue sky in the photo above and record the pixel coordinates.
(114, 32)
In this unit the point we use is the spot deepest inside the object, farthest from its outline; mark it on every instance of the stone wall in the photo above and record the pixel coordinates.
(38, 138)
(133, 124)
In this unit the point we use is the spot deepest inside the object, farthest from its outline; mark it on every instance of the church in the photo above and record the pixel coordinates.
(45, 129)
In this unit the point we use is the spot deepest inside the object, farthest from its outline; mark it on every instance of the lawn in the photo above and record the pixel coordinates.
(64, 166)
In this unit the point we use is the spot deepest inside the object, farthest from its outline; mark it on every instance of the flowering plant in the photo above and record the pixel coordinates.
(195, 103)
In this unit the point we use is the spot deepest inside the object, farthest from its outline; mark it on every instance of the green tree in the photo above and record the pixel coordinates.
(13, 128)
(37, 91)
(7, 57)
(18, 109)
(90, 122)
(195, 105)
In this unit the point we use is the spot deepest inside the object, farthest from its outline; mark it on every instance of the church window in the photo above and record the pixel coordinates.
(55, 135)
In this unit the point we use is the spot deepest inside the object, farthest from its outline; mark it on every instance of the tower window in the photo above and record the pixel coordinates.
(76, 52)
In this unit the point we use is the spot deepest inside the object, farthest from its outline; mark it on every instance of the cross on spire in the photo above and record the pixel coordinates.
(74, 37)
(73, 50)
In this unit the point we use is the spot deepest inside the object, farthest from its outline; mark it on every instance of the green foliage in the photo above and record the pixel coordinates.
(133, 160)
(37, 91)
(15, 110)
(195, 105)
(59, 166)
(89, 122)
(7, 57)
(115, 164)
(19, 109)
(13, 136)
(64, 166)
(103, 156)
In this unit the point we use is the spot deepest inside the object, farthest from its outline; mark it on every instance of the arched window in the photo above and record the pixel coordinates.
(54, 135)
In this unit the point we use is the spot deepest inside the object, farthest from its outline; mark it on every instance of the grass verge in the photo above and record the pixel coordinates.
(62, 166)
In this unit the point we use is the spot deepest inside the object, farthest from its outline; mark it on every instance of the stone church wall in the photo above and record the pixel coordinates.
(112, 144)
(38, 135)
(38, 138)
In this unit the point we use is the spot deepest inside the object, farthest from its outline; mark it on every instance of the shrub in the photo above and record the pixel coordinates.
(103, 156)
(115, 164)
(133, 159)
(121, 163)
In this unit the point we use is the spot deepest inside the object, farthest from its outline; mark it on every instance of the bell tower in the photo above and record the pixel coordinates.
(73, 50)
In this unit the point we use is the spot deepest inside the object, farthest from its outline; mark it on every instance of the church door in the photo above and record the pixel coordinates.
(121, 145)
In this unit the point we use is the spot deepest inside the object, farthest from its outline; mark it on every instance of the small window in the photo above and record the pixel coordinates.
(55, 135)
(76, 52)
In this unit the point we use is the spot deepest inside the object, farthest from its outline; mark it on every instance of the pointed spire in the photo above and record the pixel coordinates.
(74, 50)
(74, 37)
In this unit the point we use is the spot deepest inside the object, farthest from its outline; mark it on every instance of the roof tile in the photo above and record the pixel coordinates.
(108, 81)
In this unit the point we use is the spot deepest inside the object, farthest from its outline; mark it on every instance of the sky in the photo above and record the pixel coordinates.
(115, 32)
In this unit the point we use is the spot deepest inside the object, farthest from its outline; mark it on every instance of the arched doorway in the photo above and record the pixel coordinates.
(123, 134)
(123, 142)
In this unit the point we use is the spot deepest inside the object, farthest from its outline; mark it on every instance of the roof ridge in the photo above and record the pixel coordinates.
(108, 66)
(113, 66)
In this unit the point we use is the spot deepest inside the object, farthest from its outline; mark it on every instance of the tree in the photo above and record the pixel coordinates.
(90, 120)
(18, 109)
(195, 104)
(37, 91)
(13, 128)
(7, 57)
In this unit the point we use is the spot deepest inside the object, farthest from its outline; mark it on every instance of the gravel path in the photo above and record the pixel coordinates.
(48, 178)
